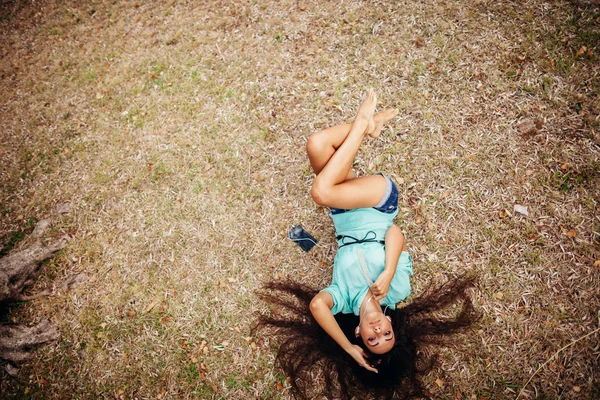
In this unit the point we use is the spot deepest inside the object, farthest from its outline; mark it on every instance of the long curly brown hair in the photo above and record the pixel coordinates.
(307, 351)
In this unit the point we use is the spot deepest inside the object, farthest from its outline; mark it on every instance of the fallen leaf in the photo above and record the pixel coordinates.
(19, 217)
(581, 50)
(419, 42)
(130, 314)
(279, 386)
(597, 263)
(74, 281)
(564, 166)
(63, 208)
(12, 371)
(527, 127)
(576, 389)
(521, 209)
(150, 306)
(571, 234)
(439, 382)
(499, 295)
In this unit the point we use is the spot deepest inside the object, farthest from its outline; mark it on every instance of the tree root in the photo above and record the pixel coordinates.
(21, 269)
(17, 340)
(17, 271)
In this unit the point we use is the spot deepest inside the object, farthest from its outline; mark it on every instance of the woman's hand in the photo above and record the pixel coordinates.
(382, 285)
(360, 357)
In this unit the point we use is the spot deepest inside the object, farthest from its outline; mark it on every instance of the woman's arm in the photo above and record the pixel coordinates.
(394, 245)
(320, 307)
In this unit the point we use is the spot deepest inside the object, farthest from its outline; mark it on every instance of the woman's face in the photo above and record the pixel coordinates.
(377, 333)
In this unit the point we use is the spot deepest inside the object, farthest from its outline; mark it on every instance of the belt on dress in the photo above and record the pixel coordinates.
(365, 239)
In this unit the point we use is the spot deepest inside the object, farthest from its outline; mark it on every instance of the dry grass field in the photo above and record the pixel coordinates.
(176, 131)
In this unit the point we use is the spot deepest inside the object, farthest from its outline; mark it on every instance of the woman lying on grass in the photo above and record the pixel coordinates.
(352, 329)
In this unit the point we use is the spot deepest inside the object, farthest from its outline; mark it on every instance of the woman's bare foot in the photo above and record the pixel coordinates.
(366, 110)
(379, 120)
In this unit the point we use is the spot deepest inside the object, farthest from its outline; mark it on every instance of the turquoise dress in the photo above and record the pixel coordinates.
(354, 261)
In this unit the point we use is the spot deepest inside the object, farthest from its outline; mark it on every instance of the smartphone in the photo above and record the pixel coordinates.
(302, 238)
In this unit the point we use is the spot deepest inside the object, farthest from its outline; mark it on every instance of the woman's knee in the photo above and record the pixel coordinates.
(320, 193)
(315, 143)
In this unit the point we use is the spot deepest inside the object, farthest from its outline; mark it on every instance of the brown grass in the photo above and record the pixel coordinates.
(177, 131)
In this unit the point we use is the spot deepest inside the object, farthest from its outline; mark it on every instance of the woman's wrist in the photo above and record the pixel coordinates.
(347, 347)
(388, 272)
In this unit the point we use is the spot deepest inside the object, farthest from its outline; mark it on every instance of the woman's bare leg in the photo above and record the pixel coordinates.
(330, 187)
(321, 145)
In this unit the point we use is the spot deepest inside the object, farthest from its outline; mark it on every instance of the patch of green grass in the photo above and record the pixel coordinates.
(205, 391)
(89, 75)
(15, 237)
(565, 181)
(419, 68)
(190, 372)
(534, 257)
(159, 171)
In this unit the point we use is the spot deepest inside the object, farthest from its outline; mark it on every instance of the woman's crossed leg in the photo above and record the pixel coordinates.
(331, 153)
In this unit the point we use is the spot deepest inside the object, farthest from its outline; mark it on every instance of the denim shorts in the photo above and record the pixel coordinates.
(388, 203)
